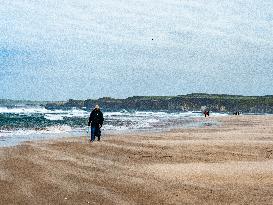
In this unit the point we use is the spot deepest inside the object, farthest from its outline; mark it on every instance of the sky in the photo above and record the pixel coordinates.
(81, 49)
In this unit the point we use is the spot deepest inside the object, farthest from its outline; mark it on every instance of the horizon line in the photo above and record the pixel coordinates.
(180, 95)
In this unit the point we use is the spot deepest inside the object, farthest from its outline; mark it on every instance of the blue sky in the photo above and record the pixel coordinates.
(61, 49)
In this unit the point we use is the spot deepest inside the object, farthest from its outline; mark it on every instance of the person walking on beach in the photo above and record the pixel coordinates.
(96, 121)
(206, 113)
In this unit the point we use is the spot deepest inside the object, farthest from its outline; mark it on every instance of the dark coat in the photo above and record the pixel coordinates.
(96, 118)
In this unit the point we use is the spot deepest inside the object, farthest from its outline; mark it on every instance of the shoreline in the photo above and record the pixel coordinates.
(225, 164)
(30, 135)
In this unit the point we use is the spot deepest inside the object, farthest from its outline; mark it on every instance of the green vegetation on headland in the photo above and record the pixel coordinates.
(189, 102)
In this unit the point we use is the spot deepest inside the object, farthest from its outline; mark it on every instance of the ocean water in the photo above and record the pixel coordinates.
(24, 123)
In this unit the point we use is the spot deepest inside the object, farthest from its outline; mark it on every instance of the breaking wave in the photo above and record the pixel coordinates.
(28, 123)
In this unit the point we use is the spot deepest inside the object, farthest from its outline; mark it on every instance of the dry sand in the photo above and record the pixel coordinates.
(228, 164)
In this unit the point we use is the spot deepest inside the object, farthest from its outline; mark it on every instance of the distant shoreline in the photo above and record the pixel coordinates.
(189, 102)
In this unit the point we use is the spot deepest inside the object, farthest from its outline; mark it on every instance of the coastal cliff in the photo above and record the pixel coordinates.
(190, 102)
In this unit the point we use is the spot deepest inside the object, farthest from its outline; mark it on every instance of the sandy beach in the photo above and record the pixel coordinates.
(228, 164)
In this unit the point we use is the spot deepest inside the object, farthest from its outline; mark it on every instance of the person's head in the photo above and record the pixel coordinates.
(97, 107)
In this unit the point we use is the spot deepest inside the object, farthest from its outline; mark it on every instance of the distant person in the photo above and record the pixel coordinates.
(206, 113)
(96, 121)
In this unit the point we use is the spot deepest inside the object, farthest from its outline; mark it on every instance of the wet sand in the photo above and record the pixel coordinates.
(228, 164)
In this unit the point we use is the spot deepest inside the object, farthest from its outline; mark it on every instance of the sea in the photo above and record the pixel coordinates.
(21, 123)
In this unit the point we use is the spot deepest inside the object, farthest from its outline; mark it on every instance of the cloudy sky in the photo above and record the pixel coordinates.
(61, 49)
